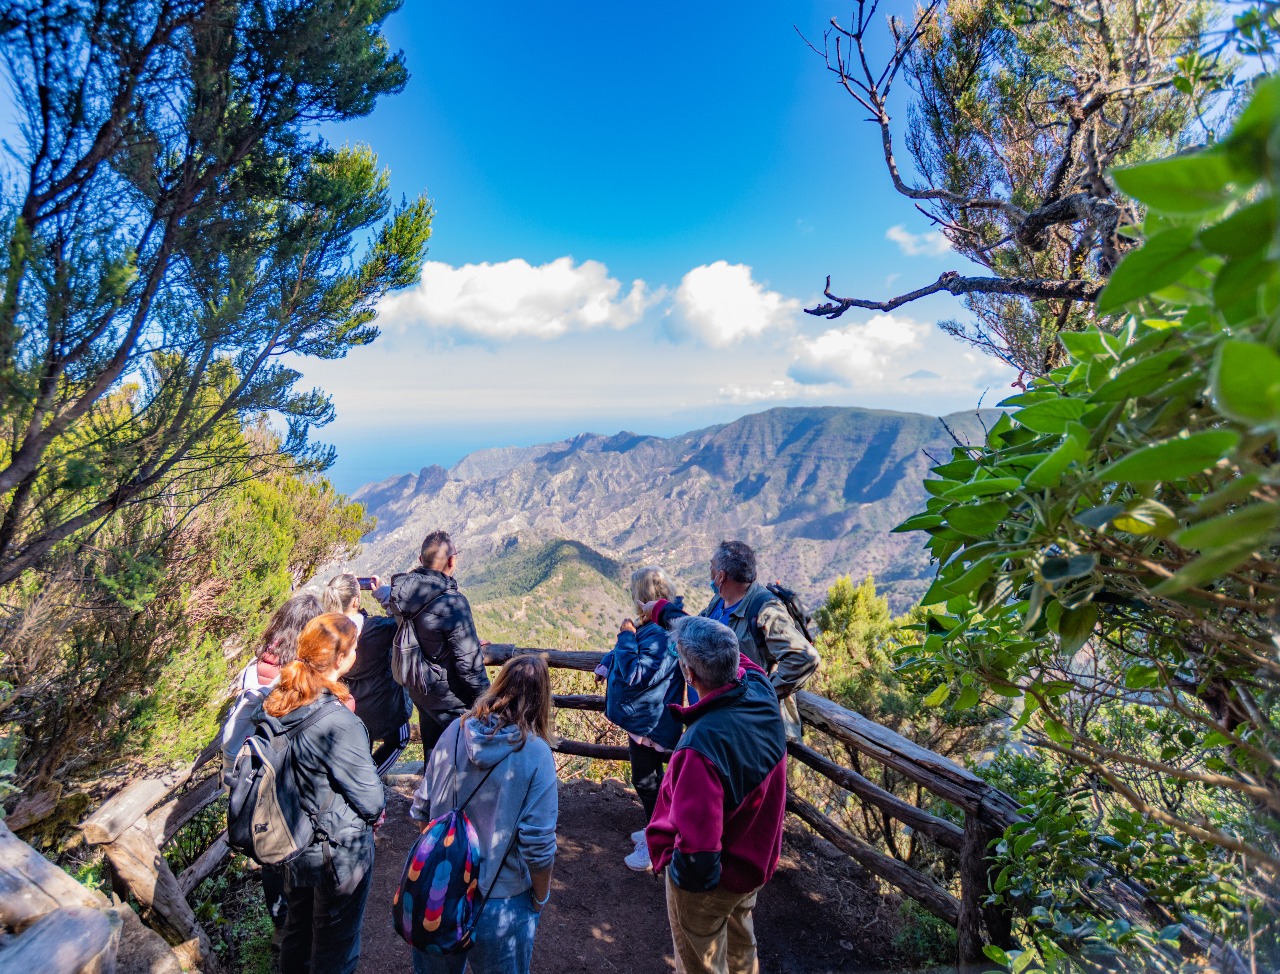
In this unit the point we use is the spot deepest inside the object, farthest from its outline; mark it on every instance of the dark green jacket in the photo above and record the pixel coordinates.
(339, 784)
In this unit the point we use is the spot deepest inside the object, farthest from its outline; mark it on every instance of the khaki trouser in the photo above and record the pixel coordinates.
(712, 932)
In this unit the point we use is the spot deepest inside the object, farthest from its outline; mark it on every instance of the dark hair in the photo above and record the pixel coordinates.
(280, 638)
(325, 641)
(437, 546)
(520, 695)
(737, 560)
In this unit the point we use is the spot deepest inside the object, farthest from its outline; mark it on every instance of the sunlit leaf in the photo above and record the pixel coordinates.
(1192, 183)
(1160, 261)
(1173, 459)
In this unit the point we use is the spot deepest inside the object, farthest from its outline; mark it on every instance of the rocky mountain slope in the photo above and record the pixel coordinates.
(814, 490)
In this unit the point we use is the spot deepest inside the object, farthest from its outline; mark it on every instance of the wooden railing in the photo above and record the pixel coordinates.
(987, 810)
(134, 825)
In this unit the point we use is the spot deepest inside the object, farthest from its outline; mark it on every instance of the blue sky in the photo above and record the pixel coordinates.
(633, 204)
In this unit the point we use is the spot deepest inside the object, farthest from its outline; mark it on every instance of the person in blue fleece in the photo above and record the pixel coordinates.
(515, 809)
(644, 679)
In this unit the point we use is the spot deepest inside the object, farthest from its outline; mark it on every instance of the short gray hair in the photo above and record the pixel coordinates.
(708, 648)
(736, 560)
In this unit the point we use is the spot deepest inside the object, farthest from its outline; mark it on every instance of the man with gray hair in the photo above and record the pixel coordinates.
(767, 634)
(717, 828)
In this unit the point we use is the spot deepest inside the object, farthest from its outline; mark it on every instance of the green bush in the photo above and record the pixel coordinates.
(1109, 565)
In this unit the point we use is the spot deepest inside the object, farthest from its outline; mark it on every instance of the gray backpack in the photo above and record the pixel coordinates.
(265, 816)
(410, 665)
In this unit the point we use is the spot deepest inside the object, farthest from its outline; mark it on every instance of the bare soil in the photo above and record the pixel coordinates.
(821, 913)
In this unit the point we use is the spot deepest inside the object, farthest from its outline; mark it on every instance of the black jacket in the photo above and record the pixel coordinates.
(381, 702)
(442, 621)
(337, 783)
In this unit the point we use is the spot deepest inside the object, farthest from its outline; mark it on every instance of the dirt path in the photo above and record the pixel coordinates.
(819, 915)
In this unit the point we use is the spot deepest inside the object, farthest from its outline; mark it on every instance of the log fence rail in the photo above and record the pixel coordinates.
(134, 825)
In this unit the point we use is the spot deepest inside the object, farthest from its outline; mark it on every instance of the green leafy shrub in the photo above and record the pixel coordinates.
(923, 940)
(1110, 566)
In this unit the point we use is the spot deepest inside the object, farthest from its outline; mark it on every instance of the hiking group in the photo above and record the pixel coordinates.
(324, 709)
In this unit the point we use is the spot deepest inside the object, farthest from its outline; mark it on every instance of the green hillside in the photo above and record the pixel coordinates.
(558, 594)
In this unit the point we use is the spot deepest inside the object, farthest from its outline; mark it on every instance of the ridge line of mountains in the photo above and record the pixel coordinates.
(549, 534)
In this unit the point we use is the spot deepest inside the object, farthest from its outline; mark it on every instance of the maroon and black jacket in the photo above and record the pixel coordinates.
(718, 821)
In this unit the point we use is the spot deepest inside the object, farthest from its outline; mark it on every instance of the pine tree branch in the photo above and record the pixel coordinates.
(952, 283)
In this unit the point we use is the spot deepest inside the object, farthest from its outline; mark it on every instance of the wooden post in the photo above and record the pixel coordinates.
(495, 654)
(170, 817)
(31, 886)
(973, 890)
(68, 940)
(940, 830)
(137, 861)
(578, 701)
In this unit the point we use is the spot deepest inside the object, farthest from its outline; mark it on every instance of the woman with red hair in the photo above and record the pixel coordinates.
(326, 887)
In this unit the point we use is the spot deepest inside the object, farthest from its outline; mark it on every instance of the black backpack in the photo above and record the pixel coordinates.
(265, 816)
(410, 665)
(795, 607)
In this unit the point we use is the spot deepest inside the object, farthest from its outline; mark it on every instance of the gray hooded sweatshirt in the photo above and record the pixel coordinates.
(518, 799)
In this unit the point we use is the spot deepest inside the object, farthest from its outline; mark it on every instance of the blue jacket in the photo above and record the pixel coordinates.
(644, 677)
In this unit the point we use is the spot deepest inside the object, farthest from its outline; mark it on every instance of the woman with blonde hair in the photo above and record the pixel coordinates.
(499, 754)
(643, 677)
(380, 702)
(327, 885)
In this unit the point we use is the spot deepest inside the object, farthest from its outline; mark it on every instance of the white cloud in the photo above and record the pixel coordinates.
(514, 298)
(857, 354)
(778, 389)
(931, 243)
(720, 304)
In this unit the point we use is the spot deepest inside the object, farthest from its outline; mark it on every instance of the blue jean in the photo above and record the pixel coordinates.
(503, 941)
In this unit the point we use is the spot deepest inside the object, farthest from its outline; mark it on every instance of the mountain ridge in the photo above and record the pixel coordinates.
(815, 489)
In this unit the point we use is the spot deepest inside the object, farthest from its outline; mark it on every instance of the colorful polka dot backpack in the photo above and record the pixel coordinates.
(438, 903)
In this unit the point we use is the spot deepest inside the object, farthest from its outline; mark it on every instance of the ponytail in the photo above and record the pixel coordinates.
(339, 592)
(323, 644)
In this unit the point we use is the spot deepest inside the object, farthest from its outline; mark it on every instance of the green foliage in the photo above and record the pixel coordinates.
(524, 569)
(923, 940)
(230, 906)
(9, 741)
(1083, 920)
(194, 838)
(1109, 561)
(1027, 104)
(859, 642)
(559, 595)
(126, 653)
(176, 231)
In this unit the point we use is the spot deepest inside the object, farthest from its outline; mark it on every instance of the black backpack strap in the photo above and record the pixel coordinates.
(461, 808)
(515, 834)
(290, 733)
(426, 605)
(307, 721)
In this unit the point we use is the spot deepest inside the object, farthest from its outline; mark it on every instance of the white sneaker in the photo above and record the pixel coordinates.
(637, 837)
(639, 860)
